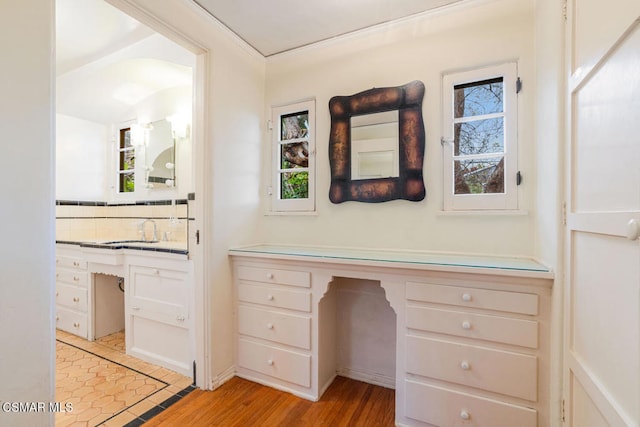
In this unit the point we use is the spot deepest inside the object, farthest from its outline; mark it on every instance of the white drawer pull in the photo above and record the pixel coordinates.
(270, 276)
(270, 362)
(270, 297)
(269, 325)
(76, 278)
(76, 324)
(57, 318)
(57, 275)
(465, 365)
(135, 308)
(466, 325)
(466, 297)
(156, 272)
(76, 264)
(76, 299)
(57, 293)
(465, 415)
(180, 318)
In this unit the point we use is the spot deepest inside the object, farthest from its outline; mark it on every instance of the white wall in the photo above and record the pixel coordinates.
(82, 159)
(472, 35)
(27, 210)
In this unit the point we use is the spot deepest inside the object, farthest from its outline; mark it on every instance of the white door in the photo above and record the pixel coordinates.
(602, 286)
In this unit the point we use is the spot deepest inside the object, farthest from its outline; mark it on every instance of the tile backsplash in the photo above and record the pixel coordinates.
(99, 221)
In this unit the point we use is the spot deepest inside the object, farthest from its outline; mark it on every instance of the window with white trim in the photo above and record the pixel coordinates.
(480, 139)
(293, 188)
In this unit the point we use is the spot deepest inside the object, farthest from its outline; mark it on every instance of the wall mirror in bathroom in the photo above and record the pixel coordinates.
(160, 156)
(376, 145)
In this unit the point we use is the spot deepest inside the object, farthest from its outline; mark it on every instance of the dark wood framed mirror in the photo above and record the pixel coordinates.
(376, 154)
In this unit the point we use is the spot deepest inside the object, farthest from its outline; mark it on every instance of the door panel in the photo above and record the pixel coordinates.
(593, 36)
(604, 321)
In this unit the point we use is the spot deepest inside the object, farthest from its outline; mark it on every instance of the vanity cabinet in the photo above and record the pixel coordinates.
(72, 292)
(274, 325)
(472, 354)
(158, 300)
(472, 333)
(158, 320)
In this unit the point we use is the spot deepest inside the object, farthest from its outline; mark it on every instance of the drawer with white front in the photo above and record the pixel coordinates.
(77, 278)
(275, 276)
(442, 407)
(71, 262)
(71, 296)
(278, 327)
(71, 321)
(487, 299)
(283, 364)
(509, 373)
(275, 297)
(500, 329)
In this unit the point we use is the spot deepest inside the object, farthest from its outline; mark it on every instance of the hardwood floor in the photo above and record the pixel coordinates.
(240, 402)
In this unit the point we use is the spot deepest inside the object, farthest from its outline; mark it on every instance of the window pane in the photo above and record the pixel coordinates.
(294, 125)
(125, 138)
(474, 99)
(479, 176)
(294, 155)
(294, 185)
(127, 160)
(127, 183)
(479, 137)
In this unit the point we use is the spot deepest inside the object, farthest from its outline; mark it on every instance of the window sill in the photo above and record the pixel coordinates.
(486, 212)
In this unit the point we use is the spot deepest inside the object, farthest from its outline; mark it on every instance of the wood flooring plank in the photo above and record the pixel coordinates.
(240, 402)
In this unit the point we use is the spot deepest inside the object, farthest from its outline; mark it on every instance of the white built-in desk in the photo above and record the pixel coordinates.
(471, 332)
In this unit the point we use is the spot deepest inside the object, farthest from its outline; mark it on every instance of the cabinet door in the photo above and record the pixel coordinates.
(158, 294)
(158, 324)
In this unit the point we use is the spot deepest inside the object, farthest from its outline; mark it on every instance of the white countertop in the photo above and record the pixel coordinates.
(400, 258)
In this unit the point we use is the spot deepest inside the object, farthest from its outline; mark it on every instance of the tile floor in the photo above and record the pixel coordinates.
(106, 387)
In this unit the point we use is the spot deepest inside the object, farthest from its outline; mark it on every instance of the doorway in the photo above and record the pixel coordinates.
(96, 170)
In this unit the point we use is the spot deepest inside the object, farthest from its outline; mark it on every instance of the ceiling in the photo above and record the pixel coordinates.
(276, 26)
(107, 62)
(104, 58)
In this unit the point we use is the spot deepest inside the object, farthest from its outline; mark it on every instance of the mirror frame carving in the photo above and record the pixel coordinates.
(409, 185)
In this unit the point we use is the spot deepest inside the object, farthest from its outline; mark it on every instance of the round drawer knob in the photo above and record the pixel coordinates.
(156, 272)
(270, 297)
(180, 318)
(466, 297)
(466, 325)
(76, 299)
(76, 278)
(76, 324)
(57, 293)
(270, 362)
(465, 415)
(269, 325)
(57, 318)
(270, 276)
(465, 365)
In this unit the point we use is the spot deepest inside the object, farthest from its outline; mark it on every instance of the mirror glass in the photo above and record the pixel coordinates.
(160, 156)
(374, 145)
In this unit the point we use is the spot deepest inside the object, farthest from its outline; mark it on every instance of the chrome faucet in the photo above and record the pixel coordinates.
(155, 230)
